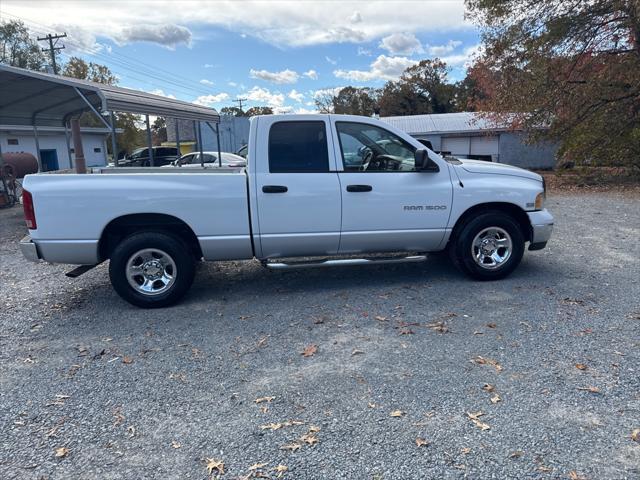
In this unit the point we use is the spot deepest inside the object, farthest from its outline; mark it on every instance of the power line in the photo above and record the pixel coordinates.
(53, 48)
(239, 102)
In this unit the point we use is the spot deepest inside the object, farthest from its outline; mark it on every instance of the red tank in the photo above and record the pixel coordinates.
(23, 163)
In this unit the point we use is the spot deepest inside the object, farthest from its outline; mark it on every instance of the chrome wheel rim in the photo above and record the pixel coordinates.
(491, 248)
(151, 271)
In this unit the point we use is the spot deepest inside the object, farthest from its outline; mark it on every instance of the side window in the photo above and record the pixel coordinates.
(186, 160)
(298, 147)
(209, 158)
(368, 148)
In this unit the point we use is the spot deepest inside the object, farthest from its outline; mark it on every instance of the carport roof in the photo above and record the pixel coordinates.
(42, 99)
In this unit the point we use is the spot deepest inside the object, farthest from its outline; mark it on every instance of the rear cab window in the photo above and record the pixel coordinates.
(298, 147)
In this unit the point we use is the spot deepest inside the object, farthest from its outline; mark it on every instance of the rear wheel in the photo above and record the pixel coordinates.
(151, 269)
(488, 247)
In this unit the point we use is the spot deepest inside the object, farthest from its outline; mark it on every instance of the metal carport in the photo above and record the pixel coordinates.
(41, 99)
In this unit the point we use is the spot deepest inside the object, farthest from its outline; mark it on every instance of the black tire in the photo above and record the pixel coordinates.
(462, 253)
(153, 244)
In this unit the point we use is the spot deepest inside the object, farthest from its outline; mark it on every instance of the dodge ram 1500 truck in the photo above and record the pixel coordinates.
(327, 189)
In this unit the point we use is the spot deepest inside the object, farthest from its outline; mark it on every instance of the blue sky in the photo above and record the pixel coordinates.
(276, 53)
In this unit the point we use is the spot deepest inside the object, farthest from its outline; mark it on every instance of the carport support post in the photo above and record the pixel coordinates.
(114, 143)
(200, 144)
(35, 136)
(178, 138)
(218, 140)
(149, 144)
(81, 166)
(5, 190)
(66, 139)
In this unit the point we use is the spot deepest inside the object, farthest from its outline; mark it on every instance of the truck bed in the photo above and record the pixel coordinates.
(73, 210)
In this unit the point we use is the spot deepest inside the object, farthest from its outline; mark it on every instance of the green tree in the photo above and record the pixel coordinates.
(355, 101)
(132, 136)
(233, 111)
(573, 67)
(159, 130)
(258, 111)
(18, 49)
(94, 72)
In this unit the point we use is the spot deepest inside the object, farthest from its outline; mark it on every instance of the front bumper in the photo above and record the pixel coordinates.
(541, 228)
(29, 249)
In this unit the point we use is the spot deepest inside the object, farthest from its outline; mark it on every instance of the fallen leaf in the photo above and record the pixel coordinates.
(581, 366)
(488, 387)
(281, 469)
(465, 451)
(309, 439)
(357, 352)
(406, 331)
(496, 398)
(421, 442)
(516, 454)
(589, 389)
(440, 327)
(380, 318)
(487, 361)
(573, 475)
(271, 426)
(127, 359)
(213, 464)
(264, 399)
(545, 469)
(475, 419)
(309, 350)
(175, 444)
(291, 447)
(371, 405)
(62, 452)
(258, 466)
(491, 325)
(132, 431)
(635, 435)
(314, 428)
(397, 413)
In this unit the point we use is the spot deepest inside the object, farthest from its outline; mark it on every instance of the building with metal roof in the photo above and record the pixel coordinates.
(470, 135)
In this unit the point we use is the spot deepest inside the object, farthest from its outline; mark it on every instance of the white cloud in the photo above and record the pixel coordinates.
(279, 78)
(204, 81)
(297, 96)
(159, 91)
(232, 84)
(330, 60)
(326, 91)
(210, 100)
(364, 52)
(356, 17)
(265, 97)
(440, 50)
(208, 65)
(382, 68)
(282, 110)
(167, 35)
(464, 59)
(82, 41)
(305, 111)
(312, 74)
(401, 44)
(277, 23)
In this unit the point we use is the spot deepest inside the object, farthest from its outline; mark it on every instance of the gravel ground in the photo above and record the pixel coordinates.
(123, 393)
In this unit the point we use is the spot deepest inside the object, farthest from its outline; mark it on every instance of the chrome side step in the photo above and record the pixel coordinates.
(344, 262)
(79, 270)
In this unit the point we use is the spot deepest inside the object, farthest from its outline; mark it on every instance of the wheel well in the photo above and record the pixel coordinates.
(124, 226)
(514, 211)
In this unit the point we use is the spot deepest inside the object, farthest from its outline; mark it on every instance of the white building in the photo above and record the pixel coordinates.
(469, 135)
(54, 153)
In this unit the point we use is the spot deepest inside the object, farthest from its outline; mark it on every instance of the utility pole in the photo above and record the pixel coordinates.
(53, 48)
(239, 102)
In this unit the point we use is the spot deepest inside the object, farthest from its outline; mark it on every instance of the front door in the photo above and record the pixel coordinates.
(49, 159)
(386, 204)
(297, 188)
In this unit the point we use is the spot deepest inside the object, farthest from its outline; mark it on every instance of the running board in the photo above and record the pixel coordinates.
(76, 272)
(344, 262)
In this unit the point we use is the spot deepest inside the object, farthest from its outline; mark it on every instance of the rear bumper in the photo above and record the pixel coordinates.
(29, 249)
(541, 228)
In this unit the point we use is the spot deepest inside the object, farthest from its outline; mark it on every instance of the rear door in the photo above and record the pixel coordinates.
(297, 187)
(386, 204)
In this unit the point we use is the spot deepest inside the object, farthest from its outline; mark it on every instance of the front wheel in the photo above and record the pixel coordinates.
(488, 247)
(151, 269)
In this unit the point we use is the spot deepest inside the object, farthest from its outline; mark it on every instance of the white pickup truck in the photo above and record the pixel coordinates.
(327, 189)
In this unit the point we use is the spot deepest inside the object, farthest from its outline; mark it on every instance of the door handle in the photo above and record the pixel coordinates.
(359, 188)
(274, 189)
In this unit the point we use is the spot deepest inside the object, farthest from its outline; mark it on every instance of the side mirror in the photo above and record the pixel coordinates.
(424, 163)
